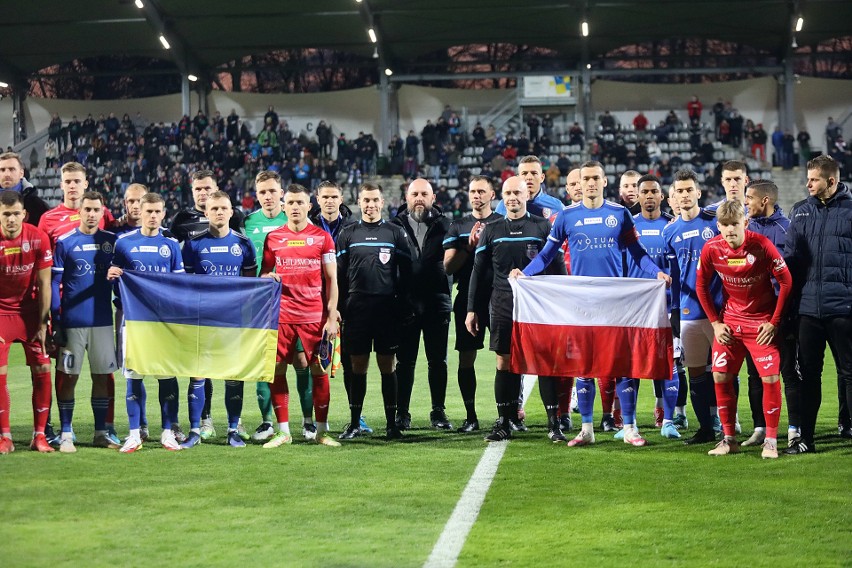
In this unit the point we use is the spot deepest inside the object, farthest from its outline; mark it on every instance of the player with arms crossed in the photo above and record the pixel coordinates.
(302, 257)
(748, 320)
(82, 319)
(147, 249)
(25, 261)
(218, 251)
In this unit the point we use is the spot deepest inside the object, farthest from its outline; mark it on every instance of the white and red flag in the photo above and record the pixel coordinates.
(579, 326)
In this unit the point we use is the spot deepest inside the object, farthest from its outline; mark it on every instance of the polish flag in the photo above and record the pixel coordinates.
(579, 326)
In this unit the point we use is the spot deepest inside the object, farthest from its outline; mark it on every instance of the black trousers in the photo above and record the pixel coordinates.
(813, 334)
(435, 329)
(788, 346)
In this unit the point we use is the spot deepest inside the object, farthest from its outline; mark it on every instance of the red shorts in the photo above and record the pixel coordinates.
(729, 358)
(288, 333)
(14, 328)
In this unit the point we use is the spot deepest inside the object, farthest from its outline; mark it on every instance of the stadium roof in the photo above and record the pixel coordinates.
(205, 34)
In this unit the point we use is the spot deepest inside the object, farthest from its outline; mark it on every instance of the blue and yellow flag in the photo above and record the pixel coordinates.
(189, 325)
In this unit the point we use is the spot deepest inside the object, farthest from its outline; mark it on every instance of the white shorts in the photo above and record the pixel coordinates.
(697, 339)
(97, 341)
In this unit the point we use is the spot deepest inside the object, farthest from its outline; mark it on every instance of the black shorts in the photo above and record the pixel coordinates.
(501, 324)
(370, 324)
(464, 340)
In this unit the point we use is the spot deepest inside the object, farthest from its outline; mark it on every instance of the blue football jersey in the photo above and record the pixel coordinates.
(684, 241)
(543, 205)
(219, 256)
(651, 237)
(159, 253)
(80, 263)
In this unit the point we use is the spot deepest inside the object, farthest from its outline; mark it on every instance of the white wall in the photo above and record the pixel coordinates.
(6, 134)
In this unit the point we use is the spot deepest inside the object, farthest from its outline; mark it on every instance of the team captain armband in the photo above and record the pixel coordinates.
(329, 257)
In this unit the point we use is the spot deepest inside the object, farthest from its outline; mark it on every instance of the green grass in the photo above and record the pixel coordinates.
(376, 504)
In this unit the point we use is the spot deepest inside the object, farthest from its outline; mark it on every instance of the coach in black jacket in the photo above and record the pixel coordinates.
(426, 227)
(330, 213)
(819, 253)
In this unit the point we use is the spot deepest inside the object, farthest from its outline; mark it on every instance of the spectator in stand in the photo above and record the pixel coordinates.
(778, 158)
(672, 121)
(833, 131)
(454, 122)
(551, 177)
(533, 123)
(433, 160)
(54, 131)
(758, 143)
(661, 132)
(324, 137)
(523, 144)
(787, 145)
(429, 135)
(564, 164)
(640, 122)
(397, 155)
(453, 156)
(736, 123)
(693, 110)
(725, 131)
(804, 140)
(547, 125)
(718, 111)
(232, 126)
(51, 153)
(510, 152)
(607, 121)
(271, 117)
(478, 135)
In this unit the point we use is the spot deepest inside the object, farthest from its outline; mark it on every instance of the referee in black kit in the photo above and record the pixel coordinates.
(374, 279)
(503, 246)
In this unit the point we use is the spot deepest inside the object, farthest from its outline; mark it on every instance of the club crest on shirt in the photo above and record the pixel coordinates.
(611, 221)
(707, 234)
(165, 251)
(750, 258)
(106, 247)
(310, 241)
(384, 255)
(25, 246)
(532, 251)
(236, 250)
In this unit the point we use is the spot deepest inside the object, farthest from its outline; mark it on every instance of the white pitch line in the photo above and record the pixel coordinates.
(446, 551)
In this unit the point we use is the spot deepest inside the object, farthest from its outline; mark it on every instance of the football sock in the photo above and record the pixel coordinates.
(4, 405)
(136, 434)
(506, 386)
(66, 414)
(671, 392)
(281, 398)
(564, 385)
(168, 396)
(357, 393)
(110, 413)
(682, 386)
(99, 411)
(700, 388)
(627, 390)
(208, 397)
(771, 408)
(133, 402)
(304, 386)
(549, 396)
(792, 395)
(726, 396)
(586, 399)
(607, 388)
(41, 400)
(284, 427)
(195, 402)
(321, 397)
(264, 401)
(437, 375)
(143, 405)
(389, 396)
(467, 387)
(234, 402)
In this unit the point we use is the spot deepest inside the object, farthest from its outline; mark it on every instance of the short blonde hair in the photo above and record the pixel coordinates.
(730, 212)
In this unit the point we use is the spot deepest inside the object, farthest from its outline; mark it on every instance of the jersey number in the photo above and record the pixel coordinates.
(719, 360)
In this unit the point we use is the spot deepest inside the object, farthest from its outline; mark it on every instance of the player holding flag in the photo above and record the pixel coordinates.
(748, 320)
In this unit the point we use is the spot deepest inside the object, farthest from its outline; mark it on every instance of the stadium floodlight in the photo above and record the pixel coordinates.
(165, 42)
(584, 28)
(192, 77)
(139, 4)
(800, 23)
(588, 65)
(358, 1)
(375, 53)
(372, 33)
(388, 72)
(3, 85)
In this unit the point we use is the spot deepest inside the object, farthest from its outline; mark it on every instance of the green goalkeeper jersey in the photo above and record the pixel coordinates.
(258, 226)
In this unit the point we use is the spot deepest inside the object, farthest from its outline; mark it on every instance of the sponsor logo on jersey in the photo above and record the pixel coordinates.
(690, 234)
(298, 243)
(579, 223)
(707, 234)
(134, 249)
(236, 250)
(256, 231)
(750, 258)
(205, 251)
(218, 249)
(268, 229)
(91, 247)
(165, 251)
(593, 220)
(75, 217)
(611, 221)
(736, 262)
(76, 249)
(146, 248)
(12, 250)
(650, 233)
(384, 255)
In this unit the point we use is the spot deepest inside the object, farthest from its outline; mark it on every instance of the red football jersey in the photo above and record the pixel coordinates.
(745, 274)
(298, 258)
(21, 259)
(62, 219)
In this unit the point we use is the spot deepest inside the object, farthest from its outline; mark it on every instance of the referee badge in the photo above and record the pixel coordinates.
(384, 255)
(532, 251)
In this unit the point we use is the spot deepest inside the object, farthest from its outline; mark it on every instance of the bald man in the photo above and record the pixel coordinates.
(426, 226)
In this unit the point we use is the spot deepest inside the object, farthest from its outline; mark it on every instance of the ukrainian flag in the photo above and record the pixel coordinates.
(562, 84)
(189, 325)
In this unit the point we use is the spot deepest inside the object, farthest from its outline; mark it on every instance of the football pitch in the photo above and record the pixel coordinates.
(372, 503)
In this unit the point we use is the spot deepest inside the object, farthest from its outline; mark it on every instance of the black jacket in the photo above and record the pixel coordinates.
(33, 204)
(190, 222)
(345, 219)
(818, 251)
(430, 287)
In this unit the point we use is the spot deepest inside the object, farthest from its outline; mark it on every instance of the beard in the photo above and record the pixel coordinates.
(419, 215)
